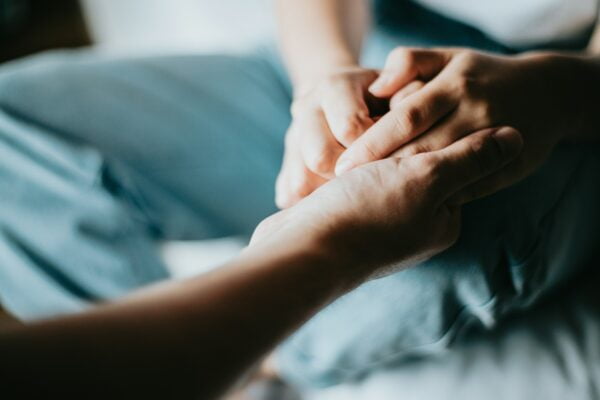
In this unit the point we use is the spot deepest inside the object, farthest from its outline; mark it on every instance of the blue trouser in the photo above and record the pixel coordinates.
(100, 158)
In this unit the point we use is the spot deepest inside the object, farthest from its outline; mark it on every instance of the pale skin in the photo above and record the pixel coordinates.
(435, 97)
(329, 108)
(197, 338)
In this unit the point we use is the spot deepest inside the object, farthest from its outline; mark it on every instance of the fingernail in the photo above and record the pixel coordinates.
(343, 166)
(509, 140)
(380, 82)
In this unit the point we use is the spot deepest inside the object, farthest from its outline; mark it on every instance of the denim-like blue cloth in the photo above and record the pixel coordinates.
(516, 247)
(102, 157)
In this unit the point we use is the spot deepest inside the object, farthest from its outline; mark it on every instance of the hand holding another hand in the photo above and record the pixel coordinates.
(439, 96)
(327, 117)
(395, 211)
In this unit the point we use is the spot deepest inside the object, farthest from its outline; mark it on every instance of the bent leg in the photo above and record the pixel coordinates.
(516, 247)
(550, 352)
(101, 157)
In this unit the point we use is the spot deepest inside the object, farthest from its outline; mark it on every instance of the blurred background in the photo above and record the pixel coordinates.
(132, 26)
(28, 26)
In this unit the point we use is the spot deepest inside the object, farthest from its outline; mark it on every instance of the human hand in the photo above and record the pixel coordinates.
(327, 117)
(395, 211)
(449, 93)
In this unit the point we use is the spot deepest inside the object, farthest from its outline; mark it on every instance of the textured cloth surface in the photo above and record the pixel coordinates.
(549, 352)
(520, 23)
(102, 157)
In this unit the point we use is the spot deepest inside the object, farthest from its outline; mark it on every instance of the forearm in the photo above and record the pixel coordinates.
(188, 339)
(317, 36)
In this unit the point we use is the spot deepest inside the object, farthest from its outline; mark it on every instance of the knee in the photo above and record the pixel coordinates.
(515, 247)
(32, 85)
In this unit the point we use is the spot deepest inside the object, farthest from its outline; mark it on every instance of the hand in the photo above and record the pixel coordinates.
(450, 93)
(393, 210)
(327, 118)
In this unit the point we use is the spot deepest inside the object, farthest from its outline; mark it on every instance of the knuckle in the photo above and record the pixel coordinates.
(424, 166)
(466, 58)
(479, 155)
(432, 168)
(299, 190)
(469, 81)
(465, 85)
(430, 172)
(396, 54)
(403, 54)
(408, 120)
(335, 80)
(330, 80)
(485, 113)
(354, 124)
(319, 162)
(414, 149)
(369, 151)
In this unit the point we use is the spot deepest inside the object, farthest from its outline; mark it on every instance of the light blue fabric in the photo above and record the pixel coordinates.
(549, 352)
(516, 247)
(99, 158)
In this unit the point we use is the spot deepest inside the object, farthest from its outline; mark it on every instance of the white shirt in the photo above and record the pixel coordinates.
(521, 23)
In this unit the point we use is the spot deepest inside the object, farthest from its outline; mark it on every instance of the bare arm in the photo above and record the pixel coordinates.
(180, 340)
(194, 339)
(319, 36)
(320, 41)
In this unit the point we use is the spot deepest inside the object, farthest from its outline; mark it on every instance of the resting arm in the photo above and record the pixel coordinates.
(180, 340)
(194, 339)
(317, 36)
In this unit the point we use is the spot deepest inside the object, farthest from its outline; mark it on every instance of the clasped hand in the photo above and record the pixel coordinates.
(434, 97)
(392, 212)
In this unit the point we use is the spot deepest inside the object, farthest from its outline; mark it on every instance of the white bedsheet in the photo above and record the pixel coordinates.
(549, 352)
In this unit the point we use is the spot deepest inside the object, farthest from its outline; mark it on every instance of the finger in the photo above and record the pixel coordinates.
(447, 131)
(346, 112)
(497, 181)
(302, 183)
(403, 93)
(406, 64)
(320, 150)
(291, 160)
(418, 113)
(295, 181)
(294, 184)
(473, 158)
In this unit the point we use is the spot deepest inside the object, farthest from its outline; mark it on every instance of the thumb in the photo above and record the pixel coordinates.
(404, 65)
(475, 157)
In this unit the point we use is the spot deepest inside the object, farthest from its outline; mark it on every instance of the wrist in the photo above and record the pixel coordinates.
(311, 76)
(316, 249)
